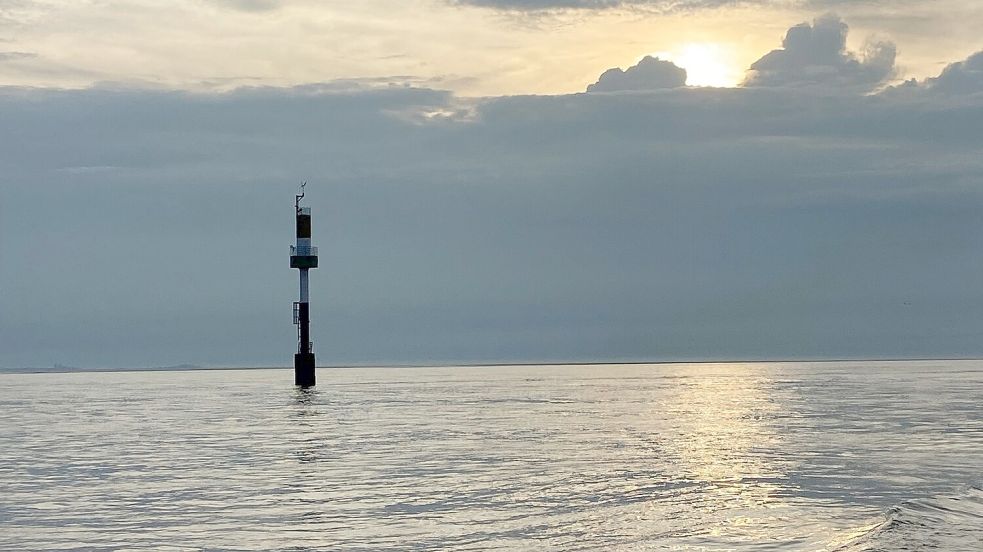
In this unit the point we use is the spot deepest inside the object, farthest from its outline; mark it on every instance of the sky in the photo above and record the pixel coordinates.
(491, 181)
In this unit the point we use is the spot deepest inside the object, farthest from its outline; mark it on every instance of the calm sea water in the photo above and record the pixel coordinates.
(795, 456)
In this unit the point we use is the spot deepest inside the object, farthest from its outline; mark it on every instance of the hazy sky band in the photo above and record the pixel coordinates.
(476, 47)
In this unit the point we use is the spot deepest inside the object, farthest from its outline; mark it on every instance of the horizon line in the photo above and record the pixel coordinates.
(61, 369)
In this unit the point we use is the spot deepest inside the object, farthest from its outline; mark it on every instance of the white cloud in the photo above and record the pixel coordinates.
(964, 77)
(651, 73)
(816, 54)
(251, 5)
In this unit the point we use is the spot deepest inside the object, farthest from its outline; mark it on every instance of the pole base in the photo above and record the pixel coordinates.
(304, 369)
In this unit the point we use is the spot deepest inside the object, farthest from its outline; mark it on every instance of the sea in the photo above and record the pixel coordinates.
(835, 456)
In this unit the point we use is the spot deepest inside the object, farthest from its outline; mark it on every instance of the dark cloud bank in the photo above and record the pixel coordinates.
(773, 221)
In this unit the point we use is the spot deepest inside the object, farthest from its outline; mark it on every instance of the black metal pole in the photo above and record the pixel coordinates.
(304, 359)
(303, 256)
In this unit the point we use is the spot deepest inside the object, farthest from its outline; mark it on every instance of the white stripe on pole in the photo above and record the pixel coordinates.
(304, 298)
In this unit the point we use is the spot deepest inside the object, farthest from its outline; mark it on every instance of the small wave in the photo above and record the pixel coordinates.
(950, 523)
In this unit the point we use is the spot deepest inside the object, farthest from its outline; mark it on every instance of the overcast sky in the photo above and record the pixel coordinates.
(700, 179)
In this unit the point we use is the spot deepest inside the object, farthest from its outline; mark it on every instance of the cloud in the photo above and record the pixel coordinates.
(15, 56)
(651, 73)
(658, 6)
(763, 222)
(654, 5)
(549, 5)
(816, 55)
(542, 5)
(963, 77)
(689, 224)
(250, 5)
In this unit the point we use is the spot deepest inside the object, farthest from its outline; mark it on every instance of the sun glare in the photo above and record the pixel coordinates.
(706, 64)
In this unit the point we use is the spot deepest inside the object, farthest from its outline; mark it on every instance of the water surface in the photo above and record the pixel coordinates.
(775, 456)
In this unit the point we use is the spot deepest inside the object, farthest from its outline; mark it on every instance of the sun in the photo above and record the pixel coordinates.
(706, 64)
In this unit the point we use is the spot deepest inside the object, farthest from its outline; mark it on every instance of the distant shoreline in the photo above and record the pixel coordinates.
(188, 368)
